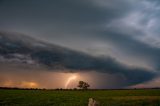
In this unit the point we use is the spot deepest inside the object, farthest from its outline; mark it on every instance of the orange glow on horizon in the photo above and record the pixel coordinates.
(29, 84)
(23, 84)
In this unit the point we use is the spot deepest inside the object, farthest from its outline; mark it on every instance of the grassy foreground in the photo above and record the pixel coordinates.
(79, 98)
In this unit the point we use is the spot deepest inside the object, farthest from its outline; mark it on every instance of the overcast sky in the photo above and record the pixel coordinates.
(126, 30)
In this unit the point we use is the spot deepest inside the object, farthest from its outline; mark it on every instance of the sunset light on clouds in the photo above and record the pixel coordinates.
(54, 44)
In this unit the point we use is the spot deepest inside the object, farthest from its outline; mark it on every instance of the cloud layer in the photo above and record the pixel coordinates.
(118, 36)
(32, 55)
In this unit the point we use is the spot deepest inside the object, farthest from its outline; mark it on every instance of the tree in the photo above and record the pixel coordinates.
(83, 85)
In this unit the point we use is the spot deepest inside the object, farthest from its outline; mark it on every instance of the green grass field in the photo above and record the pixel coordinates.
(79, 98)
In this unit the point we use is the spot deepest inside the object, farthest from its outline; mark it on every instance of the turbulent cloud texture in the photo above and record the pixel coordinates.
(114, 37)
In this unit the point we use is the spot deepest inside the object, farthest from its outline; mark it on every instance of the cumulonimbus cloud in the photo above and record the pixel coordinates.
(55, 58)
(78, 25)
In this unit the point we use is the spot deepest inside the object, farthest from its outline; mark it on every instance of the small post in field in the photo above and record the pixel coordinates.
(93, 102)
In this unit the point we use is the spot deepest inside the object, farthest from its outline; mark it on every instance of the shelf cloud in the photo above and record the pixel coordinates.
(119, 38)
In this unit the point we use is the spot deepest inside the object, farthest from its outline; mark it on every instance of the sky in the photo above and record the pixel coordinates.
(125, 30)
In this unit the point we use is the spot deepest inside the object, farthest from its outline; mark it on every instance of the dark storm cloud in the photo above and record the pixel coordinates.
(69, 16)
(66, 11)
(132, 75)
(52, 58)
(131, 46)
(123, 24)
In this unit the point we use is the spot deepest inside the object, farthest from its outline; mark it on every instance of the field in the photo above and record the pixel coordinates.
(13, 97)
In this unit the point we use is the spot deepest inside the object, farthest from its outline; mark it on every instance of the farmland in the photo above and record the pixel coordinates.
(13, 97)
